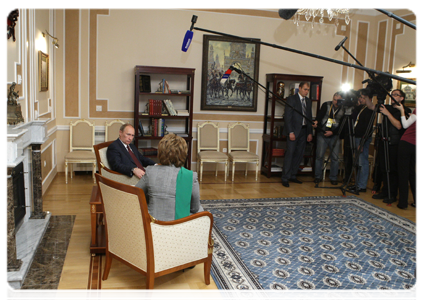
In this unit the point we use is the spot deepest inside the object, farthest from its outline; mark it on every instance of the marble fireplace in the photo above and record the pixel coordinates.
(24, 180)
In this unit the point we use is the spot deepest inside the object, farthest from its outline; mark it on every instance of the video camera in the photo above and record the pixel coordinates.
(379, 87)
(349, 98)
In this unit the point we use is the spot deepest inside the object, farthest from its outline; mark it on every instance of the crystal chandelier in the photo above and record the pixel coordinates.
(309, 13)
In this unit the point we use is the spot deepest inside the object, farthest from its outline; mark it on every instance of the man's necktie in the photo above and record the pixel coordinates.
(303, 104)
(134, 158)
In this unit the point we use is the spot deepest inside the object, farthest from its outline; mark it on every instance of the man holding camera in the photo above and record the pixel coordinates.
(328, 118)
(364, 115)
(389, 141)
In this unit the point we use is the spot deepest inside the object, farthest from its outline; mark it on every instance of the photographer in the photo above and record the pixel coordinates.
(364, 115)
(329, 117)
(393, 133)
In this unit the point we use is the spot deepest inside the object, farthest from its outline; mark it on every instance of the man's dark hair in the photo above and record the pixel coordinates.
(401, 93)
(365, 92)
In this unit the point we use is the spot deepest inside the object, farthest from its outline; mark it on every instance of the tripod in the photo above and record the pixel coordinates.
(346, 120)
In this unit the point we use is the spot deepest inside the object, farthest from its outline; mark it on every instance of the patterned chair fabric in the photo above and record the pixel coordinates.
(100, 151)
(151, 247)
(208, 147)
(239, 147)
(81, 141)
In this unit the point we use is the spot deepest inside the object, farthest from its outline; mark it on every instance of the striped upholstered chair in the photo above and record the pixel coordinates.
(151, 247)
(100, 151)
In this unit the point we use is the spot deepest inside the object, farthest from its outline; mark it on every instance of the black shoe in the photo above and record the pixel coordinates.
(413, 205)
(379, 196)
(401, 207)
(317, 180)
(334, 182)
(362, 190)
(189, 268)
(295, 180)
(285, 183)
(389, 200)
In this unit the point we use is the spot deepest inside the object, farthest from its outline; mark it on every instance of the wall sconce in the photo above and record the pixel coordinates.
(55, 40)
(409, 66)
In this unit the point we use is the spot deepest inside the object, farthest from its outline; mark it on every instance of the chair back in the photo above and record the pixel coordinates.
(128, 231)
(208, 136)
(82, 135)
(100, 151)
(112, 130)
(238, 137)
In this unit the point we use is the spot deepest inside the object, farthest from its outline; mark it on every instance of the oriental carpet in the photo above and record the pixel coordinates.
(312, 243)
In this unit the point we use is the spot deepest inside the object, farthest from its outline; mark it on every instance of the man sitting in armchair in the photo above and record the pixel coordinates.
(124, 157)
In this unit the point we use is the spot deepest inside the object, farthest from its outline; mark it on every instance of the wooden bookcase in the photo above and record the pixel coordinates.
(181, 92)
(274, 122)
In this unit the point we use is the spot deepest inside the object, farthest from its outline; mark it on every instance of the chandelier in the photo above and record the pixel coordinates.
(312, 13)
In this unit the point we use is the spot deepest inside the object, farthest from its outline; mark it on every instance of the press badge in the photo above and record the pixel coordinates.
(330, 122)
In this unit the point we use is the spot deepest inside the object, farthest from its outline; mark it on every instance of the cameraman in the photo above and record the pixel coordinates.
(393, 134)
(364, 115)
(329, 117)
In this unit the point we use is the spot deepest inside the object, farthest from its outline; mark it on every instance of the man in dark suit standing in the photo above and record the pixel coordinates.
(124, 157)
(298, 131)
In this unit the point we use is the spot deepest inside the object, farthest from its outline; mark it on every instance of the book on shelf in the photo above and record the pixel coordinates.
(181, 92)
(170, 107)
(278, 152)
(145, 84)
(140, 128)
(155, 107)
(182, 112)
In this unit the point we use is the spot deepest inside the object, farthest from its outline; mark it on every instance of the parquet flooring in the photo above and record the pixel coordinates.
(73, 199)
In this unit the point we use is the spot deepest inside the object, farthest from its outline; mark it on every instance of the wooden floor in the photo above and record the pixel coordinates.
(73, 199)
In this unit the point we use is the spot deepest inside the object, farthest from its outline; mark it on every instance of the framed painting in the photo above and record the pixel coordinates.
(42, 71)
(410, 92)
(238, 93)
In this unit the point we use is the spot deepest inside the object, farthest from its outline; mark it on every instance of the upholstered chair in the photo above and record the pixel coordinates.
(81, 141)
(153, 248)
(112, 130)
(239, 147)
(100, 151)
(208, 147)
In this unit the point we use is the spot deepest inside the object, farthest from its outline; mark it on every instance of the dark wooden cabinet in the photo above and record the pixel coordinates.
(180, 83)
(274, 143)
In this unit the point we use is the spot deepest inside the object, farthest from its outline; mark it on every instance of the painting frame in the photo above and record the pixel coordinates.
(43, 67)
(239, 93)
(409, 91)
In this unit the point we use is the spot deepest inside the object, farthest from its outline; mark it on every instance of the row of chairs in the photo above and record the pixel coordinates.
(83, 148)
(208, 147)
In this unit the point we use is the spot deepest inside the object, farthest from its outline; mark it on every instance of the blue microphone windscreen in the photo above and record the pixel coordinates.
(187, 40)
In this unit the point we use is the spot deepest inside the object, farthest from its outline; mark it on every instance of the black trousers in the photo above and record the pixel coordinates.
(407, 171)
(294, 155)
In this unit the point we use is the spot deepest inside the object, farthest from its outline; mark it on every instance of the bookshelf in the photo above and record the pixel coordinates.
(153, 85)
(274, 143)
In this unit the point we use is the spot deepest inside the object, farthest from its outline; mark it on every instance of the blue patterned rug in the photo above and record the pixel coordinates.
(313, 243)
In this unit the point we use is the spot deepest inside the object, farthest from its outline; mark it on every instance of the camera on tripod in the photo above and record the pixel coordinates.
(349, 101)
(379, 87)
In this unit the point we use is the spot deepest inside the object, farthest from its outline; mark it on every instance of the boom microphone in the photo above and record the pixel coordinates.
(189, 34)
(287, 14)
(341, 43)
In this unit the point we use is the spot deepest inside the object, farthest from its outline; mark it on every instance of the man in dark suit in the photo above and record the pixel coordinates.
(124, 157)
(298, 131)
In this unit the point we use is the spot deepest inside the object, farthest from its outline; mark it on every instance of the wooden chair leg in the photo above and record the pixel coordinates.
(107, 266)
(217, 165)
(257, 170)
(94, 168)
(233, 170)
(246, 169)
(201, 170)
(150, 280)
(66, 172)
(226, 169)
(207, 267)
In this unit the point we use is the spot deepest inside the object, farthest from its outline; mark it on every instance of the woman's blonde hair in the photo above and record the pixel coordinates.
(172, 150)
